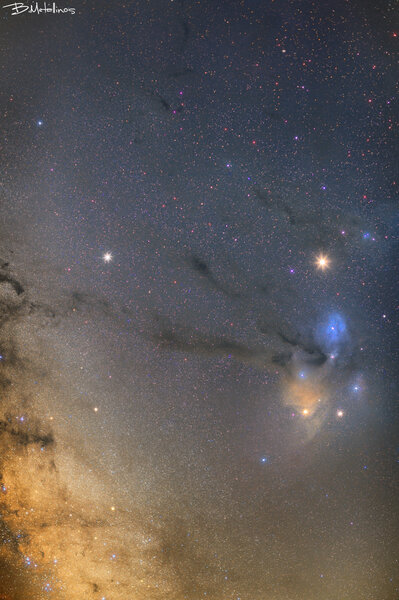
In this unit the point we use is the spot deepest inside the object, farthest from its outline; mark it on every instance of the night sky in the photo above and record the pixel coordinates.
(199, 301)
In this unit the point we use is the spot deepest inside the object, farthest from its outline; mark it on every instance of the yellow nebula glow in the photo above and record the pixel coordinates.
(304, 395)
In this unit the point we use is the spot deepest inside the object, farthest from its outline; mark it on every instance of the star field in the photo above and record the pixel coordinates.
(199, 302)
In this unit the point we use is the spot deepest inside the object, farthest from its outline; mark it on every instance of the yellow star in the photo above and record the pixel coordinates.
(322, 262)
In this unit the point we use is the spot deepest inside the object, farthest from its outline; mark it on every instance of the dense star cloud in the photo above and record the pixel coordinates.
(198, 302)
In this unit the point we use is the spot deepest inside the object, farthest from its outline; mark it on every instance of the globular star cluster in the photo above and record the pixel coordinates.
(199, 301)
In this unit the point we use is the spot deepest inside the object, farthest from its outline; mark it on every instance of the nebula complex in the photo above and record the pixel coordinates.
(198, 301)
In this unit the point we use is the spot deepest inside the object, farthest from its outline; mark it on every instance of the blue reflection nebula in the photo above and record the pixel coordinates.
(335, 330)
(332, 333)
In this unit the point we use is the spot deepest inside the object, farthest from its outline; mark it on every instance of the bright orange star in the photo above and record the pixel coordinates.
(322, 262)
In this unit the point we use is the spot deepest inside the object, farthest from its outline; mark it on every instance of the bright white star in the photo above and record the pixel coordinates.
(107, 257)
